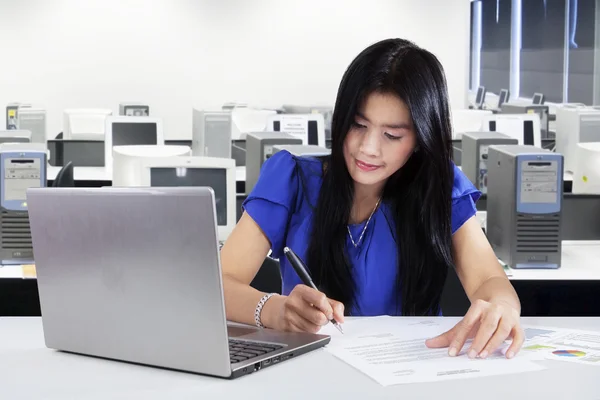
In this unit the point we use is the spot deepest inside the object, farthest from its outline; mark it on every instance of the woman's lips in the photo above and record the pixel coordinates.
(366, 166)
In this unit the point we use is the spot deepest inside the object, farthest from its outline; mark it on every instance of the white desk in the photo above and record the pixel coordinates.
(101, 174)
(29, 370)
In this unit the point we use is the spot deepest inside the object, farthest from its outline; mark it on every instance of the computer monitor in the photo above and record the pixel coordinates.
(308, 127)
(523, 127)
(127, 131)
(586, 173)
(542, 111)
(467, 121)
(503, 97)
(575, 125)
(85, 123)
(82, 153)
(215, 172)
(480, 97)
(538, 98)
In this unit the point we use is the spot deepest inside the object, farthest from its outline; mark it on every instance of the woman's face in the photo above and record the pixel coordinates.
(380, 140)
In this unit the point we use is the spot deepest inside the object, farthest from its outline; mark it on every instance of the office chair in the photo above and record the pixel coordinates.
(268, 278)
(65, 178)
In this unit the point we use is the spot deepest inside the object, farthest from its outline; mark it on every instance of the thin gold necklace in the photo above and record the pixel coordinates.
(365, 228)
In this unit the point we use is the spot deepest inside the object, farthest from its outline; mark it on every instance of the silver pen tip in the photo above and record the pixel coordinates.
(339, 328)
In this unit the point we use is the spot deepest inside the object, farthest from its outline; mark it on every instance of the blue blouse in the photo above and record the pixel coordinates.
(280, 203)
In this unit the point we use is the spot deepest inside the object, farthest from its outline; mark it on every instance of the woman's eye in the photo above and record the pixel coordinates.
(358, 126)
(392, 137)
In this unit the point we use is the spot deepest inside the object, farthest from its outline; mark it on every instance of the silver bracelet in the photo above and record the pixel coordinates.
(259, 308)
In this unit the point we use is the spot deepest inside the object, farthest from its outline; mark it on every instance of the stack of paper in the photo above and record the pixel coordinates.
(392, 351)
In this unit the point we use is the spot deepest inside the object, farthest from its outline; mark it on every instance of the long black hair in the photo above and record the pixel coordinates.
(418, 194)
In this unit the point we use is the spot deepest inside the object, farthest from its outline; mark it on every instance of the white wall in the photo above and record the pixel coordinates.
(176, 54)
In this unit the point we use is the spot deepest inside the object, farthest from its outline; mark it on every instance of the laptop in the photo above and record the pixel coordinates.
(134, 274)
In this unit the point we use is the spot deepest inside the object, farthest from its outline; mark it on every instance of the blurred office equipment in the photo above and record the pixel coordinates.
(538, 99)
(134, 109)
(586, 174)
(126, 160)
(503, 97)
(246, 119)
(475, 152)
(300, 150)
(85, 123)
(524, 200)
(211, 133)
(326, 111)
(82, 153)
(215, 172)
(22, 166)
(230, 105)
(129, 131)
(457, 151)
(575, 124)
(15, 136)
(523, 127)
(259, 147)
(467, 121)
(479, 98)
(310, 128)
(540, 110)
(12, 115)
(33, 120)
(65, 177)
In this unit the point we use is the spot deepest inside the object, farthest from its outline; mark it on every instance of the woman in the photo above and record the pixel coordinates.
(380, 221)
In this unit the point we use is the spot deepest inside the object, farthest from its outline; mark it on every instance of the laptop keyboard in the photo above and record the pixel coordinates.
(240, 350)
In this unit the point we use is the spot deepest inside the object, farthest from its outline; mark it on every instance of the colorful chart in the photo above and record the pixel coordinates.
(568, 353)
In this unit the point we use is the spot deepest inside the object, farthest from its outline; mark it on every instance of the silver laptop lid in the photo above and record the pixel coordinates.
(131, 274)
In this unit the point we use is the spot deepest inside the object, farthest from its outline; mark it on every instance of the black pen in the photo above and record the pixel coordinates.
(300, 269)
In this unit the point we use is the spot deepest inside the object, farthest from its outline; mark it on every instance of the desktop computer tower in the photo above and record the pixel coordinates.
(33, 120)
(12, 115)
(22, 165)
(259, 147)
(475, 147)
(211, 133)
(524, 200)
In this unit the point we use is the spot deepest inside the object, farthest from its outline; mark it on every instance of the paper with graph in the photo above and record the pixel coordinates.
(570, 345)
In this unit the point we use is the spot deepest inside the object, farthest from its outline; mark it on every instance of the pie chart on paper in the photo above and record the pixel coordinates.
(568, 353)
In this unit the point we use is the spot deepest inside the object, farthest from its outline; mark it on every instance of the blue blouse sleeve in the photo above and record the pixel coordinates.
(464, 197)
(273, 199)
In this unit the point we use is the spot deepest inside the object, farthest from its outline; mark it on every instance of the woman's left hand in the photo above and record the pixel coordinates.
(490, 324)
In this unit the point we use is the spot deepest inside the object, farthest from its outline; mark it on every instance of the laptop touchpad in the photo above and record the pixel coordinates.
(237, 331)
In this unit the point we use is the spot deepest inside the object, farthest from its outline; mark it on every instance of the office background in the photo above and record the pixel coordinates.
(543, 46)
(179, 54)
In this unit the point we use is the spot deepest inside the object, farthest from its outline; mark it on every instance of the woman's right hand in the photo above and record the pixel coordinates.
(303, 310)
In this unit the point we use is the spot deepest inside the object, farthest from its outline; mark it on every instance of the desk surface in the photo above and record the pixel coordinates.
(101, 174)
(30, 370)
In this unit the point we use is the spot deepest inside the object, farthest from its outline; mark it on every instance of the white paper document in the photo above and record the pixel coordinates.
(569, 345)
(392, 350)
